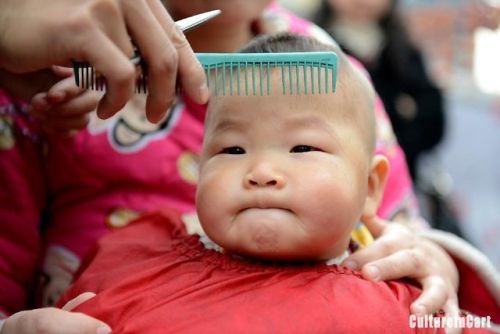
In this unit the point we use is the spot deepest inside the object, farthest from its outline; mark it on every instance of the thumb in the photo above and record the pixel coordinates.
(80, 299)
(374, 224)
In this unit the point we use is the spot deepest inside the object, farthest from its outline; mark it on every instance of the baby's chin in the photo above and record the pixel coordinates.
(274, 254)
(268, 234)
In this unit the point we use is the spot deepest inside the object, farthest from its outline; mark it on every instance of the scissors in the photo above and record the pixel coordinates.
(193, 21)
(184, 25)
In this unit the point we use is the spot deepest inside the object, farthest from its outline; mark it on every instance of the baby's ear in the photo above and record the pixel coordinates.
(376, 184)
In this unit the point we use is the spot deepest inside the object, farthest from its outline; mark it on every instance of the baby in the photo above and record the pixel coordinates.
(283, 181)
(287, 177)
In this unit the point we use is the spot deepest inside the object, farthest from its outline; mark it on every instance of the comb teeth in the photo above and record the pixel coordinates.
(296, 78)
(88, 78)
(250, 73)
(243, 73)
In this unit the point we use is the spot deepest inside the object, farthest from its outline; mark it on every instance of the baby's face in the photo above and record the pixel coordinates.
(282, 177)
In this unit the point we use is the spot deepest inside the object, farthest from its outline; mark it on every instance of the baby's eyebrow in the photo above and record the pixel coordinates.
(306, 121)
(227, 124)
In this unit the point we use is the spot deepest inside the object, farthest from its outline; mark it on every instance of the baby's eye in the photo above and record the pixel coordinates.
(303, 149)
(233, 150)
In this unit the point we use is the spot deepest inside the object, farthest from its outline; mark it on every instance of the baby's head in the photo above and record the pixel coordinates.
(286, 177)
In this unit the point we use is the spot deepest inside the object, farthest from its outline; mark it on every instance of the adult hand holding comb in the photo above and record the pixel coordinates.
(36, 34)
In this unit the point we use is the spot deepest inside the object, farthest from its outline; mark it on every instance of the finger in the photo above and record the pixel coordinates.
(451, 307)
(109, 17)
(80, 105)
(99, 36)
(67, 85)
(404, 263)
(158, 53)
(433, 297)
(452, 310)
(374, 224)
(63, 90)
(81, 298)
(119, 72)
(191, 74)
(40, 105)
(382, 247)
(62, 71)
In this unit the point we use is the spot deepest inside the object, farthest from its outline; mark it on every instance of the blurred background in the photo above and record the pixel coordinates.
(459, 181)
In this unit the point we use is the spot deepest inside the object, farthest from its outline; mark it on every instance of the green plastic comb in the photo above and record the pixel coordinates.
(249, 73)
(246, 73)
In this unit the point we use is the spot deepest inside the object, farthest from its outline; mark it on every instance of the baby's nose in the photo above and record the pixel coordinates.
(264, 176)
(261, 183)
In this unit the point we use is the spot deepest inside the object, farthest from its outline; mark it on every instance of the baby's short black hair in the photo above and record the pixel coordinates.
(287, 42)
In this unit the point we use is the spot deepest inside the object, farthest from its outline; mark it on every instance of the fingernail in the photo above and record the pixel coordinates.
(103, 114)
(105, 108)
(156, 118)
(351, 264)
(373, 272)
(204, 93)
(103, 330)
(420, 309)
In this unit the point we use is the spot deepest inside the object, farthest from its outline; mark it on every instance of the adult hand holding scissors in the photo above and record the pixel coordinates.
(36, 34)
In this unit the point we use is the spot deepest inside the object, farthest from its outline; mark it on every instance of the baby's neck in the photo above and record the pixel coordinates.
(209, 244)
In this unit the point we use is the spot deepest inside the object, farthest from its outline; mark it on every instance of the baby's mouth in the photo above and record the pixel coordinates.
(267, 208)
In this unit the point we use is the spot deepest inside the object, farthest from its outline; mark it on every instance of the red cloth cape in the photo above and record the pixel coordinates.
(151, 277)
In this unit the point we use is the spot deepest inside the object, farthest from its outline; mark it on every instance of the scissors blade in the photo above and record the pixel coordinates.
(193, 21)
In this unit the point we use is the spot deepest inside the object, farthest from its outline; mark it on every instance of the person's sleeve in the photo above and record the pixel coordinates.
(479, 289)
(21, 199)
